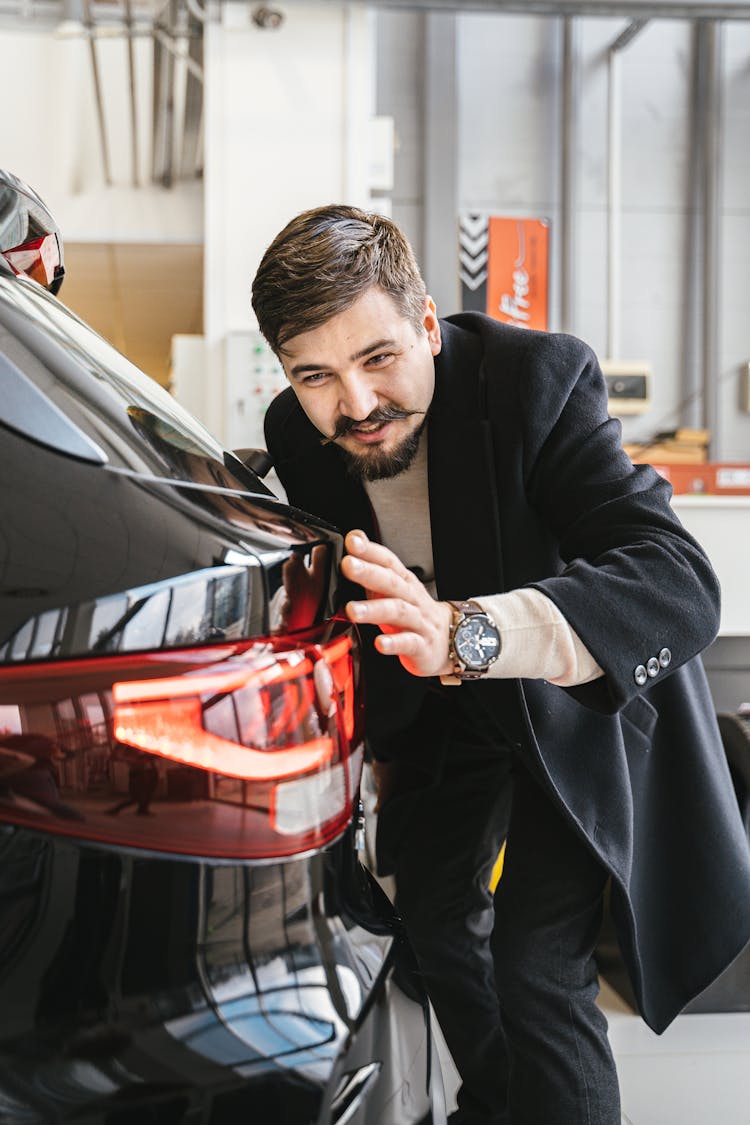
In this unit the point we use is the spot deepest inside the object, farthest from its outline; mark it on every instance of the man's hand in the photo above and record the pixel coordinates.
(415, 626)
(304, 585)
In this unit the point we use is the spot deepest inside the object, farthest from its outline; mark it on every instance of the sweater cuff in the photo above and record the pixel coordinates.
(537, 641)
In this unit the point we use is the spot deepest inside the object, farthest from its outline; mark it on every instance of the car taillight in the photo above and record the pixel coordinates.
(241, 751)
(39, 259)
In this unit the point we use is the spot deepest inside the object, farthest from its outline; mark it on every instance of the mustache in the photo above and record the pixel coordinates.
(381, 414)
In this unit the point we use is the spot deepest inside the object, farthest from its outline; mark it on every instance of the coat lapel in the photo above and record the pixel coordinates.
(464, 504)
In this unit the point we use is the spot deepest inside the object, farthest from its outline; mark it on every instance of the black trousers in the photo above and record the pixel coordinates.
(513, 982)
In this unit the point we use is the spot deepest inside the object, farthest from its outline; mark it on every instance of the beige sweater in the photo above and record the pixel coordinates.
(537, 641)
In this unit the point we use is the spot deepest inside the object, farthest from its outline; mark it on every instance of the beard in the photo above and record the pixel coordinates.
(378, 464)
(382, 465)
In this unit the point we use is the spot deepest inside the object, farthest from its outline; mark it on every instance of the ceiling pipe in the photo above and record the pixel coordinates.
(88, 24)
(133, 103)
(196, 11)
(191, 155)
(614, 193)
(167, 41)
(168, 90)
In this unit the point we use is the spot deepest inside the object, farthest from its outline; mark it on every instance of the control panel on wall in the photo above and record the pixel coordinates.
(252, 378)
(628, 385)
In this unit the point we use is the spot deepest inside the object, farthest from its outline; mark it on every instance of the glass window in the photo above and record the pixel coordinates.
(125, 412)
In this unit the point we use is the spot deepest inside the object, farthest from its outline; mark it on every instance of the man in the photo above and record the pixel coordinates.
(531, 610)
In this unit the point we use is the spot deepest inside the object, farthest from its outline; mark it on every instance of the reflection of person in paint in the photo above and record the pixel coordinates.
(480, 456)
(38, 779)
(143, 779)
(304, 585)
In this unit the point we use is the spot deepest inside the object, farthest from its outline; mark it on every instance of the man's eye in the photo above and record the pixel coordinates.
(316, 377)
(379, 360)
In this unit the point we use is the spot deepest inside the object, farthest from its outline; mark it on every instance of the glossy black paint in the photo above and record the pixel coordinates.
(139, 990)
(136, 986)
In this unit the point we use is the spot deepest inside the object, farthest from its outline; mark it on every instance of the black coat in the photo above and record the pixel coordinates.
(529, 486)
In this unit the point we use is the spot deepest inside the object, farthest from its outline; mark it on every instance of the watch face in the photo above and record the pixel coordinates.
(477, 642)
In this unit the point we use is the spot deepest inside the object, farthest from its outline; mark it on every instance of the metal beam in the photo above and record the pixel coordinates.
(440, 193)
(614, 202)
(627, 9)
(569, 104)
(712, 159)
(692, 406)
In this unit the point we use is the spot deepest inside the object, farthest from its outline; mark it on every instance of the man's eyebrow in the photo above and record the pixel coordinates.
(377, 345)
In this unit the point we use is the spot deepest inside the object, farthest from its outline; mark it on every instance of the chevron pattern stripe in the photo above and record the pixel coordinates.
(473, 238)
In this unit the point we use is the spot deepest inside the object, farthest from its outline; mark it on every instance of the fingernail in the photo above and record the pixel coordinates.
(355, 564)
(356, 609)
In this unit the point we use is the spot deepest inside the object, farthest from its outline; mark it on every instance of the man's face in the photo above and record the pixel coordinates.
(365, 379)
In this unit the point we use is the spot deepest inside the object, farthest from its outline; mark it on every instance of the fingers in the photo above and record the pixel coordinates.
(414, 627)
(387, 613)
(409, 645)
(377, 569)
(360, 548)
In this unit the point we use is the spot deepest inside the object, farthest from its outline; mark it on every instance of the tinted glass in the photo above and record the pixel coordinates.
(133, 419)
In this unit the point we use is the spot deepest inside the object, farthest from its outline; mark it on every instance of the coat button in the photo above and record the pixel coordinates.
(665, 657)
(653, 667)
(640, 675)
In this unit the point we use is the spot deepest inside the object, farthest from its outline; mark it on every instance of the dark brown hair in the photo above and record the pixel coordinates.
(322, 261)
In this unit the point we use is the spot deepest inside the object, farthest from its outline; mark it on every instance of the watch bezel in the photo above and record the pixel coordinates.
(462, 611)
(489, 625)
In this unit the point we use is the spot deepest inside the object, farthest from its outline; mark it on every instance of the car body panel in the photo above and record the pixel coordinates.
(149, 970)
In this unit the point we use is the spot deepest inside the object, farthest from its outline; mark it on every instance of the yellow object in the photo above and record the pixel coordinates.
(497, 870)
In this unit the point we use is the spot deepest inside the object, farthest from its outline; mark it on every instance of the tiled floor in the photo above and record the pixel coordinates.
(696, 1073)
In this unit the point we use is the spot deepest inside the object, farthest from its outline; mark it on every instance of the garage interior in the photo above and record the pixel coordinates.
(172, 140)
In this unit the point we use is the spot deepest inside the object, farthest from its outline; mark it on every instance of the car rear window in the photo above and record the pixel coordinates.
(135, 421)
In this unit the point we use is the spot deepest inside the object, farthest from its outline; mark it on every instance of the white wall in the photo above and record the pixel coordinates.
(286, 117)
(286, 128)
(286, 120)
(509, 70)
(50, 138)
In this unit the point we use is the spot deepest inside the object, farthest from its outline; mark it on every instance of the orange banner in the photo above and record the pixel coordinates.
(518, 271)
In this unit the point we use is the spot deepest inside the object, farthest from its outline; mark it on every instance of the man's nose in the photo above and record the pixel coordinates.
(358, 399)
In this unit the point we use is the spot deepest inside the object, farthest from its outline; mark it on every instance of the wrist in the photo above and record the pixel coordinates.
(473, 643)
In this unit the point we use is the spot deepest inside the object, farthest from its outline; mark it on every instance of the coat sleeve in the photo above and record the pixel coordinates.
(635, 585)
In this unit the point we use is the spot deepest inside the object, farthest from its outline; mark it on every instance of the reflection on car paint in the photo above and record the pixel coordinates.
(71, 762)
(214, 604)
(210, 977)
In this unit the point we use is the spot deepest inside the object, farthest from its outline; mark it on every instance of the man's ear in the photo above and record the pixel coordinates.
(432, 325)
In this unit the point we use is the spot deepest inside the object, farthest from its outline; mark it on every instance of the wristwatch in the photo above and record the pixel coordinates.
(473, 642)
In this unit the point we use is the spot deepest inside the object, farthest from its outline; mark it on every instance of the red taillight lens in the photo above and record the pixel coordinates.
(39, 258)
(243, 751)
(165, 716)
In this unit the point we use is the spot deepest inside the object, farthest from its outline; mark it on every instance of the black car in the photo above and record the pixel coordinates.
(186, 932)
